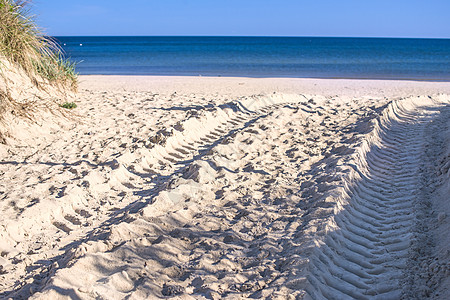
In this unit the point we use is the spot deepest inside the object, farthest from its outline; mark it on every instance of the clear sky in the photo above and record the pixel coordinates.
(361, 18)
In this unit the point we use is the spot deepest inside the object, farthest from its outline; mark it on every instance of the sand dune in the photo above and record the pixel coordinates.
(243, 189)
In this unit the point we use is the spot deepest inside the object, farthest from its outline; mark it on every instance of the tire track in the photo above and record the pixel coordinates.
(170, 158)
(197, 135)
(365, 253)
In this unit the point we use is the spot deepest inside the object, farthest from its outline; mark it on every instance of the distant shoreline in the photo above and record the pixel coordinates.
(279, 77)
(246, 86)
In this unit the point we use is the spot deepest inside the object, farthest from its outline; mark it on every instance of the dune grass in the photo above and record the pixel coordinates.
(34, 74)
(23, 44)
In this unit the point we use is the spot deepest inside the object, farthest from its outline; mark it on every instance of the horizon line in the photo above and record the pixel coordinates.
(259, 36)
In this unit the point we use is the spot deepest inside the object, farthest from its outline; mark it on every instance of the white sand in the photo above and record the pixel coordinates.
(210, 188)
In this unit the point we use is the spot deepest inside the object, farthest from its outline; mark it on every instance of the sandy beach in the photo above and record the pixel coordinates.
(231, 188)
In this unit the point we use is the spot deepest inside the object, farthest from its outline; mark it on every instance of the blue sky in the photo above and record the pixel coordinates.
(361, 18)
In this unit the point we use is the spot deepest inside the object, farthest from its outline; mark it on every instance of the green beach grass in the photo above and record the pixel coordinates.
(33, 70)
(23, 44)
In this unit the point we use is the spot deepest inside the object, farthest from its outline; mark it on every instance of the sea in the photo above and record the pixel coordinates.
(303, 57)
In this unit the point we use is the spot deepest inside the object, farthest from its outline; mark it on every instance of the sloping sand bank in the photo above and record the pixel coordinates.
(210, 188)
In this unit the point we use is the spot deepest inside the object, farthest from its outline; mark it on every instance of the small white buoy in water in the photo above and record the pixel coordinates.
(81, 45)
(64, 44)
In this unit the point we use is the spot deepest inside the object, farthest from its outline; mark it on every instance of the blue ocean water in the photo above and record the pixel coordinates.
(376, 58)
